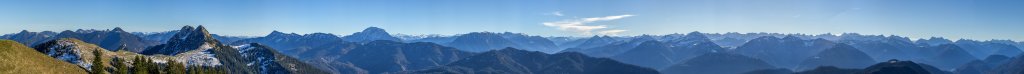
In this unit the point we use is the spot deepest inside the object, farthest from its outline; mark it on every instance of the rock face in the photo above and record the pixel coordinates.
(718, 63)
(383, 56)
(371, 34)
(187, 39)
(515, 61)
(839, 56)
(195, 46)
(20, 59)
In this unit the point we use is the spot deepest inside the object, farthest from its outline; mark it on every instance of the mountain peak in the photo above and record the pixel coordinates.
(370, 34)
(188, 38)
(374, 29)
(186, 28)
(695, 35)
(23, 31)
(117, 29)
(791, 37)
(276, 33)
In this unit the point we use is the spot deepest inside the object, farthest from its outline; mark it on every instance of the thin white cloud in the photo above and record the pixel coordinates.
(580, 25)
(557, 13)
(611, 32)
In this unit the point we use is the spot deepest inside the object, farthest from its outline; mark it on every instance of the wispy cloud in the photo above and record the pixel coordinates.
(611, 32)
(580, 25)
(557, 13)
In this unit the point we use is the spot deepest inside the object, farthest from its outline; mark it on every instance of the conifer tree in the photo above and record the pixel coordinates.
(140, 66)
(174, 67)
(121, 65)
(97, 63)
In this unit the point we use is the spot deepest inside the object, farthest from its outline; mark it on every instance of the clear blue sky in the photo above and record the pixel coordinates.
(975, 19)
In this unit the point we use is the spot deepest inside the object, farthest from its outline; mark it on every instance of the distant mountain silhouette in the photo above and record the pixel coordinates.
(718, 63)
(980, 49)
(830, 70)
(901, 67)
(595, 42)
(107, 39)
(371, 34)
(786, 52)
(290, 43)
(839, 56)
(1012, 66)
(889, 67)
(383, 56)
(882, 47)
(30, 38)
(485, 41)
(949, 57)
(515, 61)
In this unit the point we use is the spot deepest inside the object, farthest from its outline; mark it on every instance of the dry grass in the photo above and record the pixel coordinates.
(15, 58)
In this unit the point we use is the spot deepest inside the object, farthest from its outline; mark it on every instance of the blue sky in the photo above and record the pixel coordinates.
(974, 19)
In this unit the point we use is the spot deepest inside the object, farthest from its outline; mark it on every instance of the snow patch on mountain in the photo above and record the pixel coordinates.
(250, 51)
(201, 57)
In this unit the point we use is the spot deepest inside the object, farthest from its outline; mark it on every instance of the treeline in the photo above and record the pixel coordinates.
(143, 65)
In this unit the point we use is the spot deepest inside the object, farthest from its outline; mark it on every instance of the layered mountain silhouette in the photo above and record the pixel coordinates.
(107, 39)
(290, 43)
(787, 52)
(982, 49)
(485, 41)
(901, 67)
(882, 47)
(839, 56)
(374, 51)
(592, 42)
(370, 34)
(949, 57)
(889, 67)
(383, 56)
(515, 61)
(1012, 66)
(718, 63)
(30, 38)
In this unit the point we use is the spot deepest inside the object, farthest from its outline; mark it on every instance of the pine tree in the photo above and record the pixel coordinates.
(140, 65)
(120, 64)
(174, 67)
(97, 63)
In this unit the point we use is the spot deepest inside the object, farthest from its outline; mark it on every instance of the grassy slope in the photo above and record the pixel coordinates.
(15, 58)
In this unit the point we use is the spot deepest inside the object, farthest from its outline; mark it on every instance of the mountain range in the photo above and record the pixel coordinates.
(375, 51)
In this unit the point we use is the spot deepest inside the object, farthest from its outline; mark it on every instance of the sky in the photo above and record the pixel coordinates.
(954, 19)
